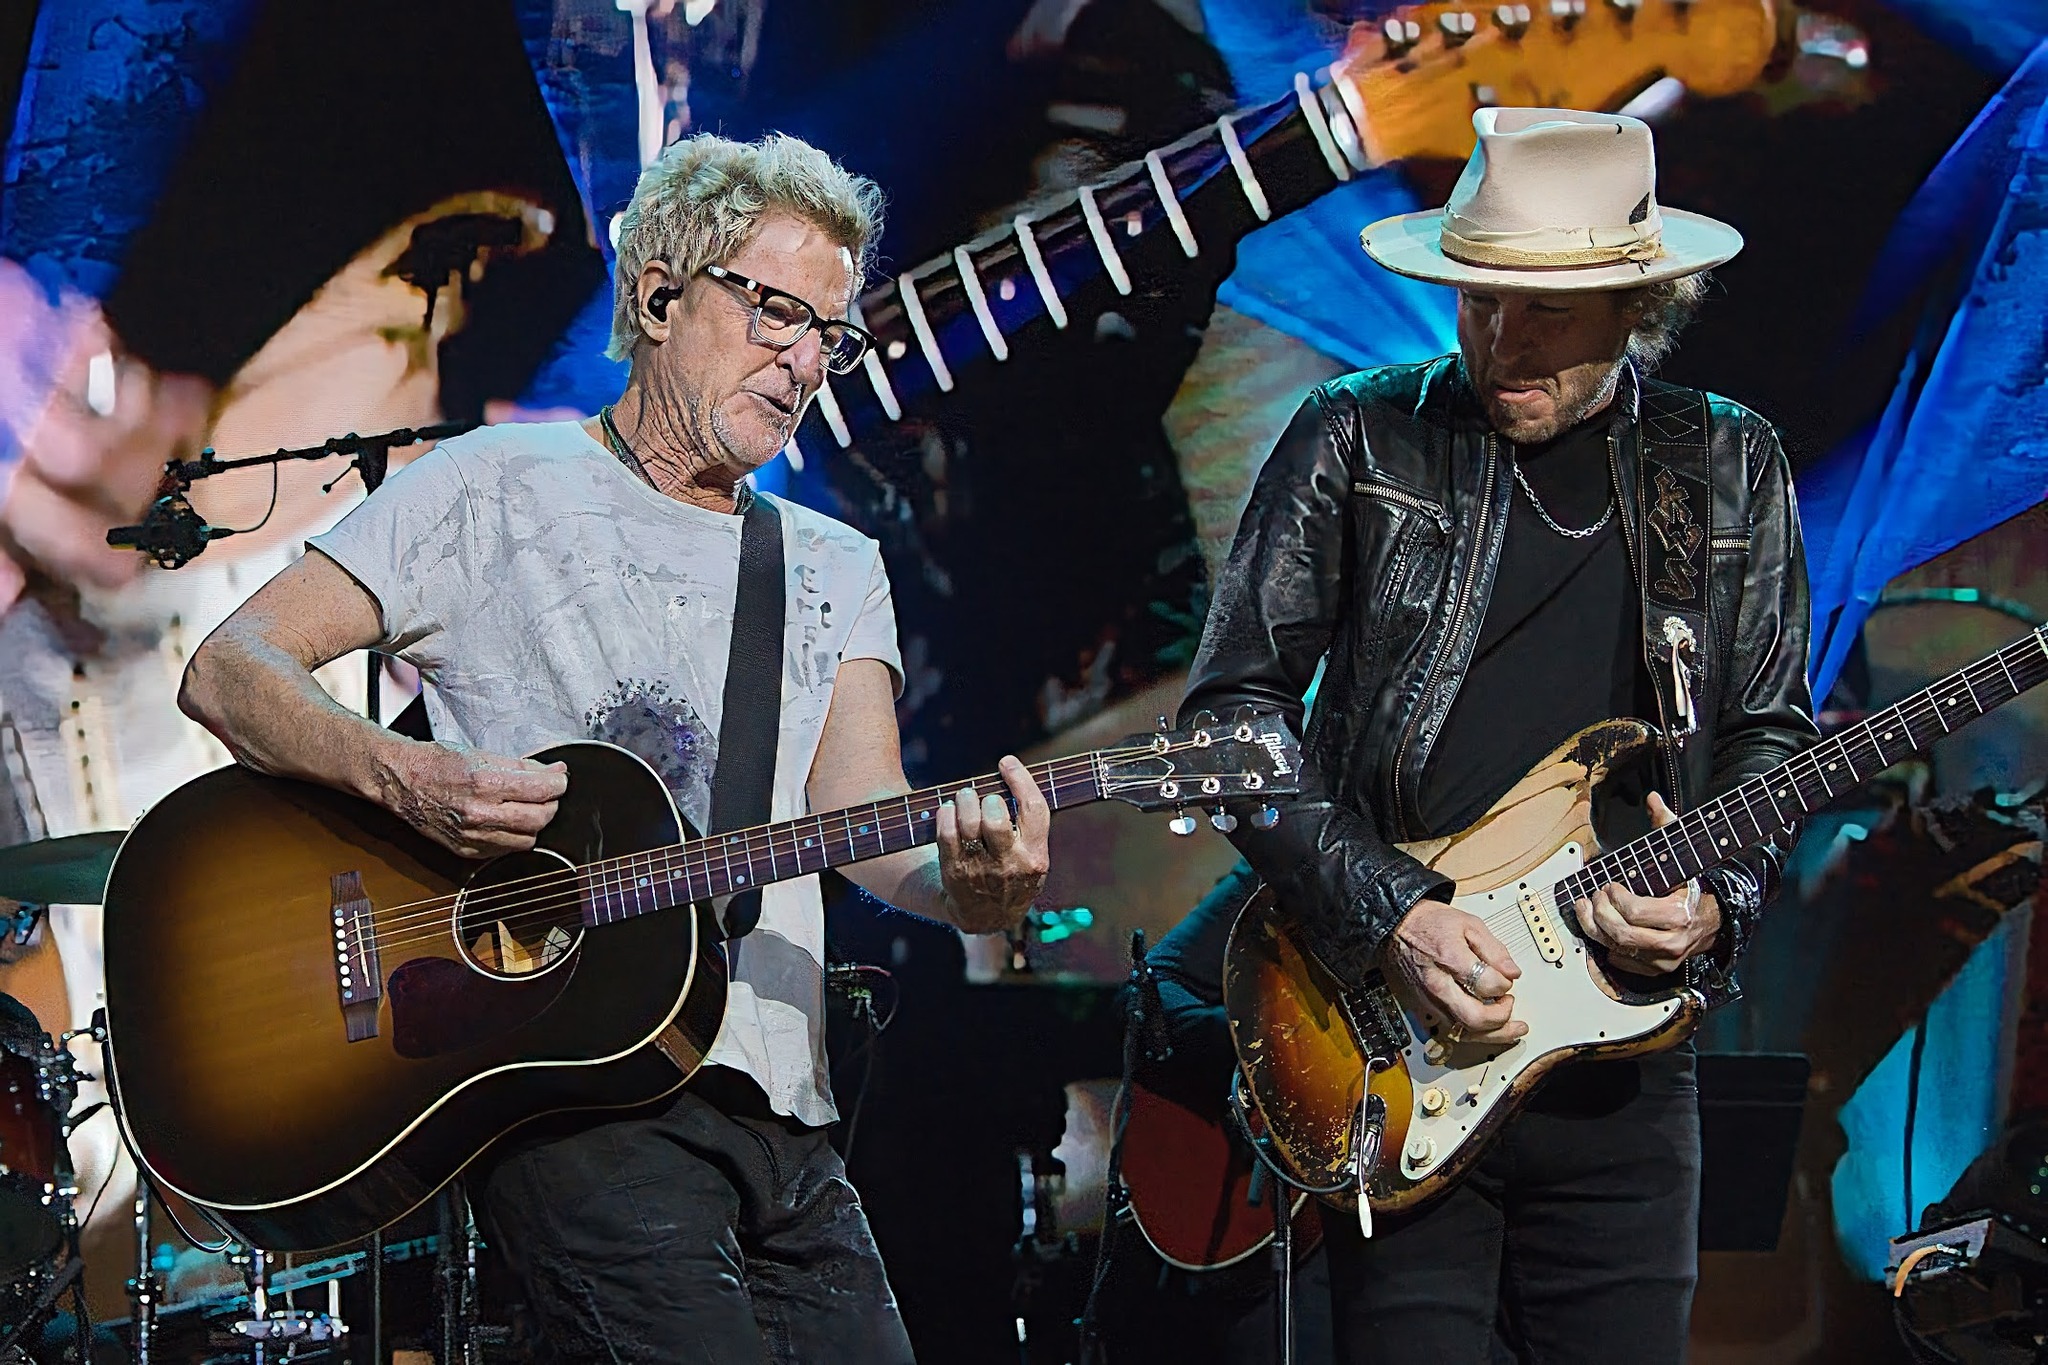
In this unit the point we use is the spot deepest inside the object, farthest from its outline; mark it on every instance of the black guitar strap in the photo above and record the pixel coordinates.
(744, 782)
(1676, 502)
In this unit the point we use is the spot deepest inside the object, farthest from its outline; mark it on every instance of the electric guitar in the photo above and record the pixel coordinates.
(1366, 1095)
(317, 1016)
(1405, 87)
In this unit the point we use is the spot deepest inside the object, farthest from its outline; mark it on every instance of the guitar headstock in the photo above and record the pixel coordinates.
(1413, 79)
(1250, 755)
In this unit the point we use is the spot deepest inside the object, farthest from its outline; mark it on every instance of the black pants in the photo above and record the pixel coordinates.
(1574, 1239)
(703, 1229)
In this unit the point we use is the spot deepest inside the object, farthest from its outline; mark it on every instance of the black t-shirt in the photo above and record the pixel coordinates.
(1560, 645)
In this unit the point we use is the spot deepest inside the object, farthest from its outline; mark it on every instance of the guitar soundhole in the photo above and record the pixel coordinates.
(521, 915)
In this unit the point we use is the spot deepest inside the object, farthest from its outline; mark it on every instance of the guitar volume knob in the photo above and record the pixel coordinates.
(1435, 1101)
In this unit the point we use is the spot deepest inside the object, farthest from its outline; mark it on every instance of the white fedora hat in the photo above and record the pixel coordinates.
(1553, 199)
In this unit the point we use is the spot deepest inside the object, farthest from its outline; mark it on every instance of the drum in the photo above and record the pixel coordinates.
(35, 1090)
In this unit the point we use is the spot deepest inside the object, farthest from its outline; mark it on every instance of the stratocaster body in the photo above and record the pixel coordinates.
(238, 1086)
(1308, 1053)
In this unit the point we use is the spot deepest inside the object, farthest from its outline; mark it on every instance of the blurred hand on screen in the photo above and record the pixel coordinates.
(84, 433)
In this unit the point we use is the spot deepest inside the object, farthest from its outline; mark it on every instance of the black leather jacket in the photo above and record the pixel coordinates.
(1372, 536)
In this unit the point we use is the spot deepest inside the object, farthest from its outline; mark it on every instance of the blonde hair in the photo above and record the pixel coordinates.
(703, 198)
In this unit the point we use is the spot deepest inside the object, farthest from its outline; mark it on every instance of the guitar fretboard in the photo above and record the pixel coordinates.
(1201, 193)
(717, 865)
(1763, 806)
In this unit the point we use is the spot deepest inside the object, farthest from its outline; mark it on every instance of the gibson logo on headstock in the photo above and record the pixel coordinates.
(1276, 749)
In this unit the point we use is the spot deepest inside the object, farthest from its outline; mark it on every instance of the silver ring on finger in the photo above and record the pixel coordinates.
(971, 846)
(1470, 980)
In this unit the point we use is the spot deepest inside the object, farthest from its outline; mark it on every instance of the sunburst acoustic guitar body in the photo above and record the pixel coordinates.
(1309, 1054)
(247, 1083)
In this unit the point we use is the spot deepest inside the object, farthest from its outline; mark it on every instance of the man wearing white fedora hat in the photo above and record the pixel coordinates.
(1486, 553)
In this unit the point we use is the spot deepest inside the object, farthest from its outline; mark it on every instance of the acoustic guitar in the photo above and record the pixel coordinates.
(1367, 1095)
(317, 1016)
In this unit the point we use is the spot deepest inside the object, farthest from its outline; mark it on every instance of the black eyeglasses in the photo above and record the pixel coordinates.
(781, 319)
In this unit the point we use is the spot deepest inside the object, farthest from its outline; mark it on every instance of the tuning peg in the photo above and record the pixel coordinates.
(1401, 34)
(1162, 722)
(1222, 821)
(1458, 27)
(1182, 822)
(1567, 13)
(1266, 817)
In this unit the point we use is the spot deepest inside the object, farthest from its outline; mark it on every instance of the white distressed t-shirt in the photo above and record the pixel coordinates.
(547, 594)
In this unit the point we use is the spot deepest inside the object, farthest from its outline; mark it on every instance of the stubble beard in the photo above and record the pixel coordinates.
(735, 446)
(1567, 411)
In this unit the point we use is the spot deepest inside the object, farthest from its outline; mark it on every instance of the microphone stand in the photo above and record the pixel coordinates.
(1144, 1033)
(174, 534)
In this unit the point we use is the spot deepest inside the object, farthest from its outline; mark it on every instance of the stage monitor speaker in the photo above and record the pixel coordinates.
(1750, 1108)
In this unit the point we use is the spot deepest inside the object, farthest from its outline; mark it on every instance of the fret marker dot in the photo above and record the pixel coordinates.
(1133, 224)
(1831, 767)
(865, 828)
(1887, 734)
(739, 881)
(1007, 290)
(1724, 842)
(896, 350)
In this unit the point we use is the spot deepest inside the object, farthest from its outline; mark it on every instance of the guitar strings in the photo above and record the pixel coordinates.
(1921, 705)
(692, 858)
(706, 851)
(1800, 769)
(618, 876)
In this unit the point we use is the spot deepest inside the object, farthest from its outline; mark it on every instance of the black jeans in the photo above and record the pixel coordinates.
(1575, 1238)
(705, 1228)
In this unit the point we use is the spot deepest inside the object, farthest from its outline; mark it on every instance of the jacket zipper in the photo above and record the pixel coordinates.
(1636, 569)
(1401, 497)
(1457, 622)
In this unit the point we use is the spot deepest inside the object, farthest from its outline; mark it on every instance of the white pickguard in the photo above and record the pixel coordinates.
(1562, 1004)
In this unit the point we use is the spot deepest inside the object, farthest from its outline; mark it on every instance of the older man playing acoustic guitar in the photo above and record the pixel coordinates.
(574, 580)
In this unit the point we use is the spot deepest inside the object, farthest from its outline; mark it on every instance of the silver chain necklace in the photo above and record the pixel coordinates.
(1515, 466)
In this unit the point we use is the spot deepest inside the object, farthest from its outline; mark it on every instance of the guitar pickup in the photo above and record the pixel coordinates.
(358, 976)
(1548, 943)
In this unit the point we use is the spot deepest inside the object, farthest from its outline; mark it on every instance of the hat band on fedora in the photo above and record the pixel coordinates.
(1549, 247)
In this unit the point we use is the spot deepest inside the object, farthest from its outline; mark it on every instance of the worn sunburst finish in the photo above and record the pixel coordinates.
(237, 1085)
(1304, 1048)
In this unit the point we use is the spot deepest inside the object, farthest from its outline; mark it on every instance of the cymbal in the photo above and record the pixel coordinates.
(68, 871)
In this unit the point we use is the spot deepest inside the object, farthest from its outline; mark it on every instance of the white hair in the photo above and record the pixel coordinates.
(1660, 312)
(704, 197)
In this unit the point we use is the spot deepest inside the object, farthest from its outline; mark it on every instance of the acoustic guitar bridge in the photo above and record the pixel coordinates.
(357, 974)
